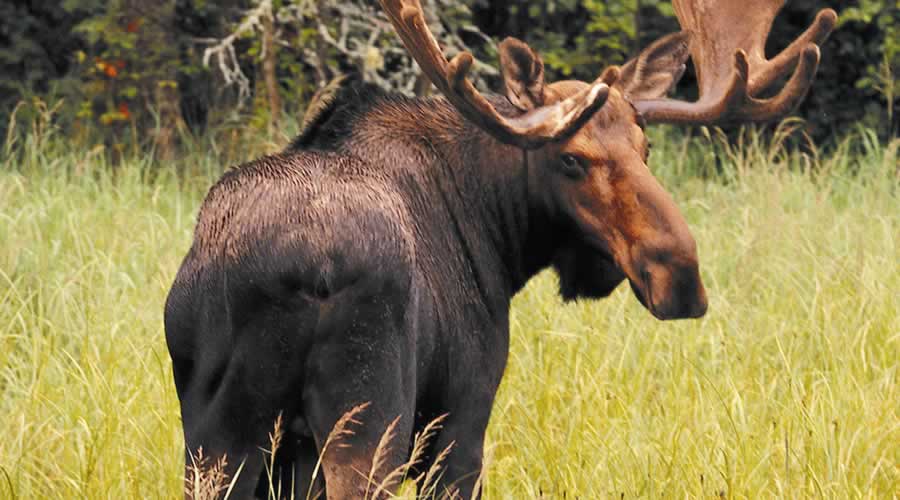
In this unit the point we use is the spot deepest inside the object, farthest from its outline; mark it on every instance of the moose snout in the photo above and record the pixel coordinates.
(671, 288)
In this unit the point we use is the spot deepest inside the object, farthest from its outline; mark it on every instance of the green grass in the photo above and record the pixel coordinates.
(787, 388)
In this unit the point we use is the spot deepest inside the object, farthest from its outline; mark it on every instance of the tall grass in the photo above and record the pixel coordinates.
(787, 388)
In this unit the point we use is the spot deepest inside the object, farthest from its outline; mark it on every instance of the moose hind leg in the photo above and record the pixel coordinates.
(224, 446)
(361, 363)
(234, 406)
(362, 425)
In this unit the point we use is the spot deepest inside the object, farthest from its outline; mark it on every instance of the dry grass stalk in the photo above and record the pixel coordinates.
(488, 456)
(420, 447)
(381, 454)
(204, 480)
(425, 482)
(274, 443)
(340, 431)
(428, 487)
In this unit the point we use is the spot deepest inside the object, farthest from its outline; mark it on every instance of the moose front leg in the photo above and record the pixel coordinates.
(463, 435)
(468, 396)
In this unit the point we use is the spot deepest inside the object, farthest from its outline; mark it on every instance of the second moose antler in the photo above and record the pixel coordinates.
(727, 45)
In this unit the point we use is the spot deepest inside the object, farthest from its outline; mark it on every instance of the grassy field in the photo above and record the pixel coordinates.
(788, 388)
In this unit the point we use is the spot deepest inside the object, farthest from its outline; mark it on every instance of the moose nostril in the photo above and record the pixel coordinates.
(647, 286)
(645, 276)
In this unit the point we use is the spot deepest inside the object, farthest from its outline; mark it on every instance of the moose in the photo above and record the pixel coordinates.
(374, 259)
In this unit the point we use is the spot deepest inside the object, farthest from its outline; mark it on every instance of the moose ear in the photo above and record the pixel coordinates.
(523, 74)
(657, 69)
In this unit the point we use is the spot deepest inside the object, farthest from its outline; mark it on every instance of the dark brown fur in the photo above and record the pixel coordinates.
(374, 260)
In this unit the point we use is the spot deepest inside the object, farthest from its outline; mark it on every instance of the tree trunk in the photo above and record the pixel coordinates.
(167, 99)
(269, 60)
(166, 94)
(636, 49)
(323, 72)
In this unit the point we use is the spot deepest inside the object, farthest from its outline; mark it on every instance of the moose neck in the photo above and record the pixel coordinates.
(460, 180)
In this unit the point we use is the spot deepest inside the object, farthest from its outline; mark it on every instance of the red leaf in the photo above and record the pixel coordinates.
(133, 25)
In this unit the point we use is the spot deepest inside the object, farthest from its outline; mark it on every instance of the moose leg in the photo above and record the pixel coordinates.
(361, 357)
(223, 441)
(358, 449)
(467, 401)
(233, 400)
(463, 434)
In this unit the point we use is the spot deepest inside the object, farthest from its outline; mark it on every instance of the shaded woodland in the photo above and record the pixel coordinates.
(148, 74)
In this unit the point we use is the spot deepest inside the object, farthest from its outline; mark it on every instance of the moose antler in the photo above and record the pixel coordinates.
(728, 49)
(530, 130)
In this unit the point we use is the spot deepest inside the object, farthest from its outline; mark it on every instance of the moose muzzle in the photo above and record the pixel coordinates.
(663, 270)
(669, 286)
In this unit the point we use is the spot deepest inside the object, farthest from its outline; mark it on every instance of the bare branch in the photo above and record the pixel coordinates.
(225, 54)
(356, 31)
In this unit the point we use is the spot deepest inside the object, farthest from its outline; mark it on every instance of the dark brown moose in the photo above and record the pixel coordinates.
(373, 261)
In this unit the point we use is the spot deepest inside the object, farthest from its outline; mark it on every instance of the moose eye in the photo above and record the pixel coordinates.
(572, 166)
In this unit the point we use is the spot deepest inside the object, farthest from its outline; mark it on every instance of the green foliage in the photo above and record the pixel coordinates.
(24, 59)
(880, 77)
(578, 38)
(130, 58)
(36, 47)
(886, 17)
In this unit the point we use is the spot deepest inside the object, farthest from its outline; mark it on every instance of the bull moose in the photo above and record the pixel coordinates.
(374, 259)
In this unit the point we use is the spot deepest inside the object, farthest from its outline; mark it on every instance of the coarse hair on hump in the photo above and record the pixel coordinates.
(334, 110)
(337, 113)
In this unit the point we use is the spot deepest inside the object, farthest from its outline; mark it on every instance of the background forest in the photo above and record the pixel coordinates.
(157, 73)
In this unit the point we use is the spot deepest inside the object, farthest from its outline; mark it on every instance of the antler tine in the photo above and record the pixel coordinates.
(734, 103)
(530, 130)
(730, 95)
(757, 110)
(420, 43)
(779, 65)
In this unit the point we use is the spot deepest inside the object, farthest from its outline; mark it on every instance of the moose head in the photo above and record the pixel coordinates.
(587, 139)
